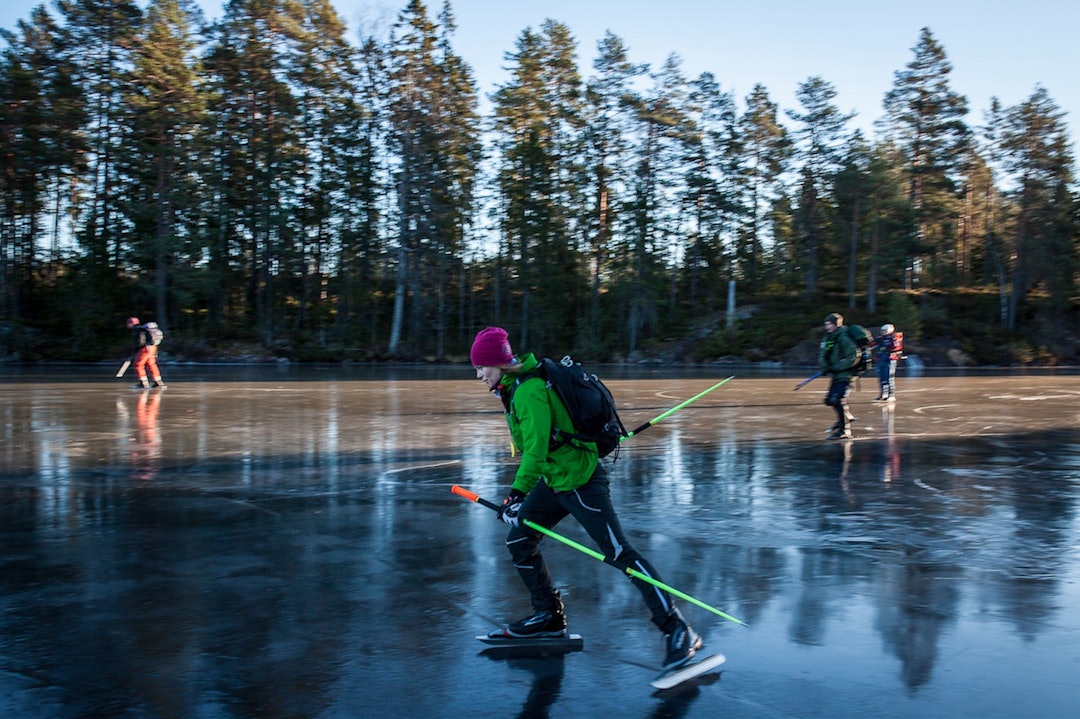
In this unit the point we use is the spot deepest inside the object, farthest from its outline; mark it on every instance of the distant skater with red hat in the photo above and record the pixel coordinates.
(147, 338)
(553, 480)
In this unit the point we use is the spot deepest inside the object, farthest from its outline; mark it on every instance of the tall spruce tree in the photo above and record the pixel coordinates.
(1039, 166)
(433, 113)
(610, 99)
(97, 39)
(460, 139)
(818, 140)
(258, 153)
(361, 281)
(164, 132)
(873, 221)
(41, 115)
(655, 244)
(708, 199)
(326, 78)
(996, 227)
(925, 121)
(766, 151)
(537, 130)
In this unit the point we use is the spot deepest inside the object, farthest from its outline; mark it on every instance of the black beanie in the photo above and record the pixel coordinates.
(836, 318)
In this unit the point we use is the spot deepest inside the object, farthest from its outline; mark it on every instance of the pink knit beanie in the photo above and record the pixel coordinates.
(491, 348)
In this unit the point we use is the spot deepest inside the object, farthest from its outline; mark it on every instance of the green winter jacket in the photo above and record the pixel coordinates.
(533, 411)
(838, 354)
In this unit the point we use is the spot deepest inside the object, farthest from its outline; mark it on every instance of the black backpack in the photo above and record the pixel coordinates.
(863, 340)
(588, 401)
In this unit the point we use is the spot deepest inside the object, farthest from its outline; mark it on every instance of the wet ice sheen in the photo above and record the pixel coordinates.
(251, 544)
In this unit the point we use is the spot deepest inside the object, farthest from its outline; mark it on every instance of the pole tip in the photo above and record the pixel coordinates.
(462, 492)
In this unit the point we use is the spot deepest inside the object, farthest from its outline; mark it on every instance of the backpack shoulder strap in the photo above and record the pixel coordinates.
(559, 436)
(537, 371)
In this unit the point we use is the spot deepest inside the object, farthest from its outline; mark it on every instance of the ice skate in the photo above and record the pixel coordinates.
(680, 640)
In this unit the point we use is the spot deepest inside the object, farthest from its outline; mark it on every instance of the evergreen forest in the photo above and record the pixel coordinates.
(270, 180)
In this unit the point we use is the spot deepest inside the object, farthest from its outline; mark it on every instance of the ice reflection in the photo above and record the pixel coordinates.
(904, 542)
(253, 544)
(146, 447)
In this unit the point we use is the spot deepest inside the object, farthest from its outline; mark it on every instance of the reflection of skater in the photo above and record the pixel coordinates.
(146, 416)
(552, 482)
(147, 449)
(837, 356)
(891, 468)
(147, 337)
(846, 468)
(887, 348)
(546, 685)
(676, 703)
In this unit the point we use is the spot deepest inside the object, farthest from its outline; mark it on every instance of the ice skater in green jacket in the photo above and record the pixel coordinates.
(553, 480)
(837, 357)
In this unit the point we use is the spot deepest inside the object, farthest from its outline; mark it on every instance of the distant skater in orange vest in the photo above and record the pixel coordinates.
(147, 338)
(889, 347)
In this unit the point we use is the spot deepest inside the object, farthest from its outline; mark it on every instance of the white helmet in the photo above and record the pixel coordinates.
(887, 329)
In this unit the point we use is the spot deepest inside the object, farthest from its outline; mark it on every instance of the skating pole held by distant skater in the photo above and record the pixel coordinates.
(807, 381)
(473, 497)
(676, 408)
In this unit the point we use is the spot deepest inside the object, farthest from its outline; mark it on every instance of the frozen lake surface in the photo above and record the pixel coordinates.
(282, 543)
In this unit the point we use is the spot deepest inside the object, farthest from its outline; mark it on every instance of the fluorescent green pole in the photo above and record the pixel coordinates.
(676, 408)
(472, 496)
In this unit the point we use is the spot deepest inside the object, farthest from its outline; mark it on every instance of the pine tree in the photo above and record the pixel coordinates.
(98, 37)
(665, 131)
(362, 245)
(766, 151)
(537, 130)
(433, 113)
(609, 97)
(817, 143)
(1038, 163)
(709, 195)
(96, 41)
(925, 120)
(41, 113)
(164, 133)
(330, 118)
(996, 223)
(874, 220)
(258, 152)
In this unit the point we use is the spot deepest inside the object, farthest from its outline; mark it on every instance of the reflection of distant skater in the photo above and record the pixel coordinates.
(891, 469)
(146, 416)
(147, 449)
(837, 356)
(147, 338)
(891, 466)
(888, 348)
(845, 469)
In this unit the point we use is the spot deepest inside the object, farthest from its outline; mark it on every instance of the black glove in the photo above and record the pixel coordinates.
(511, 507)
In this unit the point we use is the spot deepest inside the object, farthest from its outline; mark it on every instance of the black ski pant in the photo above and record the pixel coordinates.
(591, 506)
(836, 398)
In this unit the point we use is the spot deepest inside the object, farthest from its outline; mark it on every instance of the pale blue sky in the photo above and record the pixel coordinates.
(997, 48)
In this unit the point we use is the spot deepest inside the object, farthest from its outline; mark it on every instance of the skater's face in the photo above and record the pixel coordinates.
(490, 376)
(830, 327)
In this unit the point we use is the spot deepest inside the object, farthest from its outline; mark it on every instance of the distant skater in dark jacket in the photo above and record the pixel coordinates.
(837, 357)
